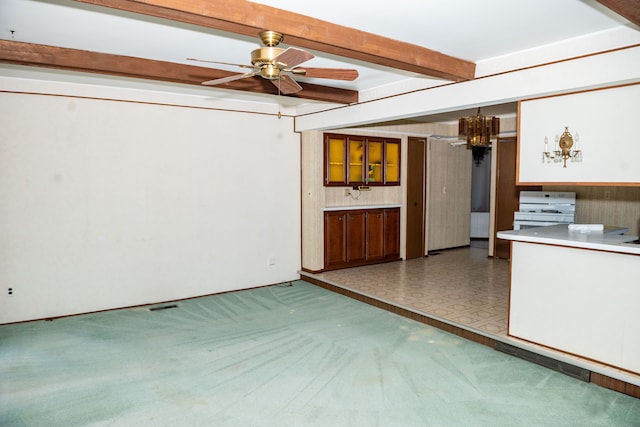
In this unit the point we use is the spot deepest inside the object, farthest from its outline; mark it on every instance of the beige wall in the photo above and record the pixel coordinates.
(619, 206)
(106, 204)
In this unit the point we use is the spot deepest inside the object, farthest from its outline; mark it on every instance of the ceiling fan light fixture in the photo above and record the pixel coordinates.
(270, 72)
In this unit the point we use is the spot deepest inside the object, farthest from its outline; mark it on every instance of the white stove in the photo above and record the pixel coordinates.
(541, 208)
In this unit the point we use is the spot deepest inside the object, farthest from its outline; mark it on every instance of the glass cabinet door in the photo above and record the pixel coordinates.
(392, 162)
(374, 161)
(356, 160)
(335, 171)
(359, 160)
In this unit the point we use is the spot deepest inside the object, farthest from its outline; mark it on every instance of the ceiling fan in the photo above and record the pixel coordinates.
(280, 65)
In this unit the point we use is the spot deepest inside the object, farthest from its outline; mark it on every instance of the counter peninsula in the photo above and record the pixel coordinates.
(577, 292)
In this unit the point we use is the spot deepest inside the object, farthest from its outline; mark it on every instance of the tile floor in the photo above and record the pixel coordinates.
(460, 285)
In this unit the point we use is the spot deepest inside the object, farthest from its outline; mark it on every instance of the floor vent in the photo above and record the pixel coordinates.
(163, 307)
(548, 362)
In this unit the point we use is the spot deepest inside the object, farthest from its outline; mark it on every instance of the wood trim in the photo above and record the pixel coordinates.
(559, 350)
(126, 66)
(165, 104)
(577, 92)
(248, 18)
(626, 8)
(615, 384)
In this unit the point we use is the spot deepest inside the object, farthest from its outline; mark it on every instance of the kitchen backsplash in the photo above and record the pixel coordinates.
(606, 205)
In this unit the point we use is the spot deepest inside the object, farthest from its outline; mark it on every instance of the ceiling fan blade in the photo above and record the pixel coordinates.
(291, 57)
(327, 73)
(286, 84)
(219, 62)
(229, 79)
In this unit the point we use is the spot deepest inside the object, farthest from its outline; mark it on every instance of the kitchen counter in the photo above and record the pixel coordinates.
(355, 207)
(610, 240)
(577, 292)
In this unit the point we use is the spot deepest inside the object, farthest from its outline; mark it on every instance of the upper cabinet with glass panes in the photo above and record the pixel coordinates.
(360, 160)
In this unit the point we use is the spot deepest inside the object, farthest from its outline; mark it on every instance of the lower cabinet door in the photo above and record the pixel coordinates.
(335, 239)
(375, 235)
(392, 233)
(361, 236)
(356, 244)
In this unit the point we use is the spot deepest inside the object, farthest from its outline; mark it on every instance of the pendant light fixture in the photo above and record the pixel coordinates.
(478, 131)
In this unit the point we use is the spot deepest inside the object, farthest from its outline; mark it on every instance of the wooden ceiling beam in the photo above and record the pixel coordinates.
(248, 18)
(628, 9)
(125, 66)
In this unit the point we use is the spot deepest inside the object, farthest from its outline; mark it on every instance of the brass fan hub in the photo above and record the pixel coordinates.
(263, 57)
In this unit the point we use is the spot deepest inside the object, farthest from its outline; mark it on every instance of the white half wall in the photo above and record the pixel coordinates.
(106, 204)
(605, 121)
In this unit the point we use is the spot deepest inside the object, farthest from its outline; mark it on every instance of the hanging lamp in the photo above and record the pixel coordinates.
(478, 131)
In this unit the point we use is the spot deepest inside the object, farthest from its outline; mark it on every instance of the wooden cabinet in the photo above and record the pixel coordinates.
(392, 233)
(335, 247)
(356, 229)
(374, 234)
(361, 236)
(357, 160)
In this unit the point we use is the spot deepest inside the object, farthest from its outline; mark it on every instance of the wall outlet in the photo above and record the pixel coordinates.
(272, 260)
(347, 192)
(10, 292)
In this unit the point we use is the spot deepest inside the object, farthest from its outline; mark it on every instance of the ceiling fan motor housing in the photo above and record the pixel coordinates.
(263, 57)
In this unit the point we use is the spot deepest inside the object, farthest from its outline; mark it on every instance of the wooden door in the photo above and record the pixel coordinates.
(356, 244)
(335, 239)
(507, 193)
(392, 233)
(375, 235)
(416, 173)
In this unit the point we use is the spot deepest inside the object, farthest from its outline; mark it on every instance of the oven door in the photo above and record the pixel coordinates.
(522, 224)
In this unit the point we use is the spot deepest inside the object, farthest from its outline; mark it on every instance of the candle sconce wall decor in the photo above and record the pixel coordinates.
(563, 150)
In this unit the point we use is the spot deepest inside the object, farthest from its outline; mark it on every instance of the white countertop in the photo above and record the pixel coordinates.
(353, 207)
(560, 235)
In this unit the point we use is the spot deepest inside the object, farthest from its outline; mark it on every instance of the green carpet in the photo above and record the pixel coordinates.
(279, 356)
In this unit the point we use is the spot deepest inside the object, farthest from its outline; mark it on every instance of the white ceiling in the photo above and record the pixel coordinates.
(497, 35)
